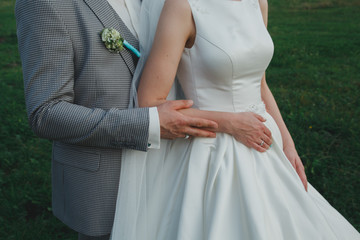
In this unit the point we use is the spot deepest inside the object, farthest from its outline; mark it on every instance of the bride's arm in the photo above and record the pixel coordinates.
(288, 143)
(273, 110)
(176, 30)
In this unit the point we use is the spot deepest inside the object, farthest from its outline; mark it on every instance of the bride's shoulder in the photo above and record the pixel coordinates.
(181, 5)
(178, 8)
(176, 18)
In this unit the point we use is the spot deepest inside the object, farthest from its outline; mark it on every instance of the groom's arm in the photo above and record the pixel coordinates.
(47, 56)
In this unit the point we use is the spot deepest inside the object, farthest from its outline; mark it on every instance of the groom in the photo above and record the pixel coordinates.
(77, 94)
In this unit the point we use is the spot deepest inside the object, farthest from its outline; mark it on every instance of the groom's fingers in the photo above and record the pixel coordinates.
(199, 127)
(180, 104)
(196, 132)
(202, 123)
(191, 121)
(173, 124)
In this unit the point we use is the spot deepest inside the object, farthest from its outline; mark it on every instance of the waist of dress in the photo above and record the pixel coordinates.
(258, 108)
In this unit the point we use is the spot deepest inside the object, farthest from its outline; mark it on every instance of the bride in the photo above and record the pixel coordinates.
(216, 188)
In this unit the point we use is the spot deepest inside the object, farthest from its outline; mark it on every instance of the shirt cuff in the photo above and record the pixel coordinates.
(154, 129)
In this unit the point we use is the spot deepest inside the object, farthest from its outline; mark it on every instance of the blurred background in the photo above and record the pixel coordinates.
(314, 75)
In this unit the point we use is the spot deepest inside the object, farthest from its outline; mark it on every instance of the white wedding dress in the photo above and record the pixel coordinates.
(219, 189)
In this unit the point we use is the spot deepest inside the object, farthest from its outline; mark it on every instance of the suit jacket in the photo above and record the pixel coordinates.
(76, 94)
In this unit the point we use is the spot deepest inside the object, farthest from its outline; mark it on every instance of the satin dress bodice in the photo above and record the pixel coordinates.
(223, 69)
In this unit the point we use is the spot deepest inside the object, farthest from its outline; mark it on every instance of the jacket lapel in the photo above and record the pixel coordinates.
(109, 18)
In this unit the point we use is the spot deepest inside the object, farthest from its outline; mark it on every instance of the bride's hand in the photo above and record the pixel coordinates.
(249, 129)
(295, 160)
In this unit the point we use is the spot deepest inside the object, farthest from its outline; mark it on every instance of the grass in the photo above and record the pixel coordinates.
(314, 76)
(25, 192)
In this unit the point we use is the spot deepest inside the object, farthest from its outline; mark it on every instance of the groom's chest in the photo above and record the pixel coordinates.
(102, 79)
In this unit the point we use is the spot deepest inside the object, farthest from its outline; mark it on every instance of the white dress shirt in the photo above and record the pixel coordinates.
(129, 10)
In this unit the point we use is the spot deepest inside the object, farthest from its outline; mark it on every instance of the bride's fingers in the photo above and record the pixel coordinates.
(267, 132)
(266, 146)
(301, 172)
(257, 147)
(261, 118)
(264, 128)
(303, 178)
(267, 140)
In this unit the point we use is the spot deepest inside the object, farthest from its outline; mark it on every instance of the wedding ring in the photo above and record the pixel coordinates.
(262, 143)
(186, 136)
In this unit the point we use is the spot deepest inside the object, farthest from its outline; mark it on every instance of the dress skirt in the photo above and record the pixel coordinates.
(218, 188)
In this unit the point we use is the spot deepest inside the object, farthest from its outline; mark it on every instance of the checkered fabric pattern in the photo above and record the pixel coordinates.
(77, 94)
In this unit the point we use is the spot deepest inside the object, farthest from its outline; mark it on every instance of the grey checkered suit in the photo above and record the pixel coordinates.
(76, 94)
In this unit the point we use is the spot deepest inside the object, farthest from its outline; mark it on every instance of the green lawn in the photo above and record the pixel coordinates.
(314, 76)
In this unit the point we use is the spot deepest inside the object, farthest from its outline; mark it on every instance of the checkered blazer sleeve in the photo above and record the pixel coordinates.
(47, 55)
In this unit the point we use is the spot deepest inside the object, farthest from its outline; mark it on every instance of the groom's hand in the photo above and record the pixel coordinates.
(174, 124)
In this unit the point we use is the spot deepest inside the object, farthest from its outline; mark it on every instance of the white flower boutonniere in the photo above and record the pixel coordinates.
(115, 43)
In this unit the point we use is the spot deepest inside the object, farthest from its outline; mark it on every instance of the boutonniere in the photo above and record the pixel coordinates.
(115, 43)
